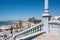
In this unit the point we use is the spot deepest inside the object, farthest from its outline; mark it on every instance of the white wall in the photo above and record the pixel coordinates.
(54, 29)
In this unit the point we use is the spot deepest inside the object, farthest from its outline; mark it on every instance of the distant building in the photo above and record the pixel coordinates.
(55, 18)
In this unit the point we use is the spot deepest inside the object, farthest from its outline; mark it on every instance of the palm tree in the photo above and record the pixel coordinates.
(17, 27)
(34, 20)
(20, 24)
(31, 19)
(38, 21)
(11, 30)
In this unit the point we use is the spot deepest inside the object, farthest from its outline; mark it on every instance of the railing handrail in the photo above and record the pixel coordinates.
(28, 29)
(32, 34)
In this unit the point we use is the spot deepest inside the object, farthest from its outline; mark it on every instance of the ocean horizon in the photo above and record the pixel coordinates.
(6, 23)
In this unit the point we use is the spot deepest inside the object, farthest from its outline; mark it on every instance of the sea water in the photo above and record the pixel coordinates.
(4, 23)
(7, 23)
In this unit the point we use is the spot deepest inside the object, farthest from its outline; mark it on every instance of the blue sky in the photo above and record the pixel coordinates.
(23, 9)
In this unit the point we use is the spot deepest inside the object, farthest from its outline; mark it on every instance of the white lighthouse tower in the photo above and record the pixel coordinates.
(46, 17)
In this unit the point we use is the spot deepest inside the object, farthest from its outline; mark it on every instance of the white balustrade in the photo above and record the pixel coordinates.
(29, 31)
